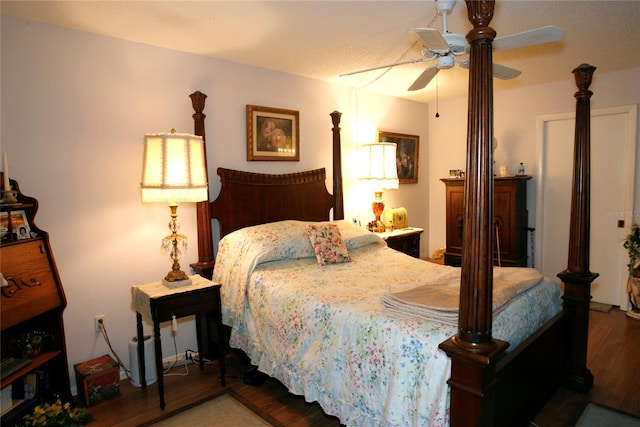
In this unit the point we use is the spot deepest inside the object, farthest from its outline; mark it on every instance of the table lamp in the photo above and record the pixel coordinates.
(380, 170)
(174, 171)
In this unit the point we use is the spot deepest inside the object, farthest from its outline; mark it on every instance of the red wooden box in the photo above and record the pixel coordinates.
(97, 379)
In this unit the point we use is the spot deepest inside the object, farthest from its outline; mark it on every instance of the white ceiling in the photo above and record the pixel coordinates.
(322, 39)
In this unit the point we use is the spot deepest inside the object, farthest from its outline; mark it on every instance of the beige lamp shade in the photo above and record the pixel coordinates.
(379, 165)
(174, 169)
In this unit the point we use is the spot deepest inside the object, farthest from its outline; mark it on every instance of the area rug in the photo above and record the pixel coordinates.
(599, 416)
(600, 306)
(221, 411)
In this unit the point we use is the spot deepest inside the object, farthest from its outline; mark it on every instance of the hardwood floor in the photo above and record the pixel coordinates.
(612, 358)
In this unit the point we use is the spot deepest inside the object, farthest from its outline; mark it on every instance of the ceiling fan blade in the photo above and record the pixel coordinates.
(505, 73)
(432, 39)
(378, 67)
(541, 35)
(499, 71)
(423, 79)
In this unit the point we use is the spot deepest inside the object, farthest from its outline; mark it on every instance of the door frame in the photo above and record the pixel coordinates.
(631, 112)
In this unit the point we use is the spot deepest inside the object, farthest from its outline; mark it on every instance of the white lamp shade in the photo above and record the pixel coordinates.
(174, 169)
(379, 165)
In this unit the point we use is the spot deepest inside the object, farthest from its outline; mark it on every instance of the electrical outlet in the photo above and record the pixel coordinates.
(192, 356)
(174, 361)
(97, 319)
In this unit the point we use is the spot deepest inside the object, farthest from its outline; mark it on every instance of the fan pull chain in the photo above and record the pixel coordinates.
(437, 107)
(532, 242)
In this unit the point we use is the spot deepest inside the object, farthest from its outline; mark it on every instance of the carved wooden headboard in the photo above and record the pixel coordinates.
(248, 198)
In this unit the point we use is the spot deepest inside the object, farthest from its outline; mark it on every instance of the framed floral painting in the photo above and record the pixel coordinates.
(272, 134)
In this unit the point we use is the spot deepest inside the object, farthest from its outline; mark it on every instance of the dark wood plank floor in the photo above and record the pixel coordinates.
(612, 358)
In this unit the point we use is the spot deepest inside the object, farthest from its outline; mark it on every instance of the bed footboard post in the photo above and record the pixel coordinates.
(473, 351)
(338, 203)
(204, 266)
(577, 277)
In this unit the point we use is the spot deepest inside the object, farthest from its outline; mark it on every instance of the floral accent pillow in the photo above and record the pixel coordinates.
(328, 244)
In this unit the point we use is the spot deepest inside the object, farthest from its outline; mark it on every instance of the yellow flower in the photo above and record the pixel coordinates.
(58, 414)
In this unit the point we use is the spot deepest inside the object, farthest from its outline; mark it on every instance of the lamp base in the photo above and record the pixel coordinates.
(377, 205)
(177, 283)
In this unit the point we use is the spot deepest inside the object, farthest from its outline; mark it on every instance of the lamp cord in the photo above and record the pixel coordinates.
(175, 360)
(103, 329)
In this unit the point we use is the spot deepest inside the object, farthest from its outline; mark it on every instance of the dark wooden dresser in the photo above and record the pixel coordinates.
(510, 219)
(32, 302)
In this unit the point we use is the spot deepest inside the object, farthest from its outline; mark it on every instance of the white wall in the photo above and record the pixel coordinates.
(75, 107)
(515, 128)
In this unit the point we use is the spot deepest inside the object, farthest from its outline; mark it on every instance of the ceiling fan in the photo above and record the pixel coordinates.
(446, 48)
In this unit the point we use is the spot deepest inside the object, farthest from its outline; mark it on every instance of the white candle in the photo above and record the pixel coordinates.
(5, 169)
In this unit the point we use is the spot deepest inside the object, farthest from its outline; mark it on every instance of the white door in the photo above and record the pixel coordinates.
(613, 141)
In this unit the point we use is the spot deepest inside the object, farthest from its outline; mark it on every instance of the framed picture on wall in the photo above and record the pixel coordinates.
(406, 154)
(272, 134)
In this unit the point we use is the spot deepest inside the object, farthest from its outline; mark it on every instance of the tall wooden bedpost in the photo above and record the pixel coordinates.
(577, 278)
(338, 204)
(473, 350)
(204, 266)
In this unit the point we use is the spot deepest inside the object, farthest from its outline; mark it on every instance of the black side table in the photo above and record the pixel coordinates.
(160, 304)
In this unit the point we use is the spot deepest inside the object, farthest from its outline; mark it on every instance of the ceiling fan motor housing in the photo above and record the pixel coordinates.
(457, 43)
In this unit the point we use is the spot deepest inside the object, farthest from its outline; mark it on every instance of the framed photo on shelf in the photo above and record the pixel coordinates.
(16, 224)
(272, 134)
(407, 157)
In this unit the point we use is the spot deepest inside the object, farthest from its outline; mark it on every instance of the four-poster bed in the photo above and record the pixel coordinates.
(492, 382)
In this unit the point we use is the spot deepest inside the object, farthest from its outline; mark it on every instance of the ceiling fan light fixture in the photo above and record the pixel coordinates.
(445, 62)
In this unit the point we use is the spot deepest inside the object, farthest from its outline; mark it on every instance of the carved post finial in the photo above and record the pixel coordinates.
(335, 118)
(480, 13)
(583, 75)
(197, 100)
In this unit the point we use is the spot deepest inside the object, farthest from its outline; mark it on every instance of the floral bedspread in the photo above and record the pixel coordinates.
(322, 331)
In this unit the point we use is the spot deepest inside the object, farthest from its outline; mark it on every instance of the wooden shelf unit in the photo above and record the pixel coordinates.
(32, 300)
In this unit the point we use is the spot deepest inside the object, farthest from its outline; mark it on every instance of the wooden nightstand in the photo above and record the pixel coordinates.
(160, 304)
(405, 240)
